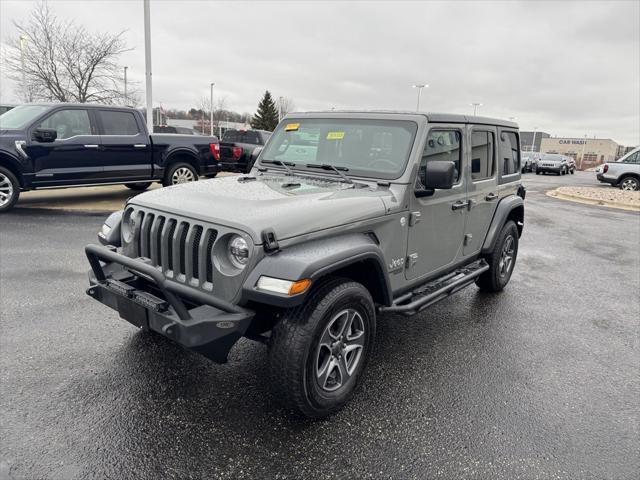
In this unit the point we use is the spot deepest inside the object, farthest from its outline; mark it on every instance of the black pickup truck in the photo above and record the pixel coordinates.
(240, 148)
(69, 145)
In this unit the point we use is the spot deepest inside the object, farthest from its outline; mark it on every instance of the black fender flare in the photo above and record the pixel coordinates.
(513, 204)
(169, 157)
(10, 161)
(316, 259)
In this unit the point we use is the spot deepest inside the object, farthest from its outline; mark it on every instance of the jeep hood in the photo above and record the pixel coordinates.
(290, 205)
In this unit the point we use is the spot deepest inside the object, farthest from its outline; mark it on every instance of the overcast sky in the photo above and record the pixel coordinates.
(568, 68)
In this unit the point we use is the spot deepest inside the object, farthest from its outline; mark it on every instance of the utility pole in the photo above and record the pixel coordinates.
(583, 147)
(475, 108)
(23, 41)
(279, 108)
(211, 110)
(147, 63)
(419, 86)
(125, 86)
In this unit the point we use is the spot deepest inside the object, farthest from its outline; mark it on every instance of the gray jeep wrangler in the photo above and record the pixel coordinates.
(344, 216)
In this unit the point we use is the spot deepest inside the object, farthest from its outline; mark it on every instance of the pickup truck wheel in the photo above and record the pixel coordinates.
(180, 173)
(627, 183)
(319, 350)
(501, 260)
(139, 186)
(9, 190)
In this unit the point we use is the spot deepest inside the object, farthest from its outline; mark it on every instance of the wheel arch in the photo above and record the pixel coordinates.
(182, 155)
(8, 162)
(625, 175)
(509, 208)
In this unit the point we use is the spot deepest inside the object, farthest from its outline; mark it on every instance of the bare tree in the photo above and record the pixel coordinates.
(64, 62)
(285, 105)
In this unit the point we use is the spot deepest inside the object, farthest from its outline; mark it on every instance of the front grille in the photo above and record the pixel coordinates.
(181, 249)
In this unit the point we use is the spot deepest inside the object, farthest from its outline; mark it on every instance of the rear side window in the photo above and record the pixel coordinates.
(633, 158)
(443, 146)
(482, 146)
(118, 123)
(248, 136)
(509, 153)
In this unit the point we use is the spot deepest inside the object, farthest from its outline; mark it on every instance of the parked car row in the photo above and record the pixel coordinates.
(541, 163)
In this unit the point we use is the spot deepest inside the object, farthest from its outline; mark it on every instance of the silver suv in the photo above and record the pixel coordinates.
(344, 216)
(624, 173)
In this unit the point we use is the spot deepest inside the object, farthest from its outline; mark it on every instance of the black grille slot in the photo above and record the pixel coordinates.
(195, 252)
(138, 231)
(183, 253)
(212, 238)
(172, 231)
(158, 239)
(147, 235)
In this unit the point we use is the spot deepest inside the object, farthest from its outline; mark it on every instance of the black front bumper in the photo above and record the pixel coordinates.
(144, 297)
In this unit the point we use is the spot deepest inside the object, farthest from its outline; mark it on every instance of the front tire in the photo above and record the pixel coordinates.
(138, 186)
(319, 350)
(180, 173)
(9, 190)
(501, 260)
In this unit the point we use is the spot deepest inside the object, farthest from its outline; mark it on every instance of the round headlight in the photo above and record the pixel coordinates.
(238, 251)
(128, 226)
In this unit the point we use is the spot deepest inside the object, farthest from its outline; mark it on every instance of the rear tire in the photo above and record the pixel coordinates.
(180, 173)
(9, 189)
(139, 186)
(319, 350)
(501, 260)
(630, 184)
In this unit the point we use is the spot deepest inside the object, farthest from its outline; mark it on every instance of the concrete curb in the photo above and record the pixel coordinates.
(591, 201)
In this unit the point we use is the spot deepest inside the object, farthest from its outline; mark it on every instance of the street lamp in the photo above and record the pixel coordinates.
(147, 63)
(533, 141)
(475, 107)
(211, 113)
(419, 87)
(583, 147)
(125, 85)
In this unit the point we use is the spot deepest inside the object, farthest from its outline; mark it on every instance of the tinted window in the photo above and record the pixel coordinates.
(443, 146)
(482, 155)
(68, 123)
(633, 158)
(248, 136)
(118, 123)
(509, 153)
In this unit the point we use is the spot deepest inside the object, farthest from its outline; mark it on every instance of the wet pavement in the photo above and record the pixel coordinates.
(540, 381)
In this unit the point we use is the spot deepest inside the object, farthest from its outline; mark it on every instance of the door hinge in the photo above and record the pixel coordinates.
(412, 259)
(467, 238)
(414, 218)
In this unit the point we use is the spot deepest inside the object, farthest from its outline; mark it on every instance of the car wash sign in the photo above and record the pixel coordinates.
(570, 141)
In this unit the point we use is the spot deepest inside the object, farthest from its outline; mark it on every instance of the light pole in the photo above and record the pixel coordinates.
(23, 41)
(125, 85)
(211, 111)
(279, 108)
(583, 147)
(419, 87)
(533, 141)
(147, 63)
(475, 108)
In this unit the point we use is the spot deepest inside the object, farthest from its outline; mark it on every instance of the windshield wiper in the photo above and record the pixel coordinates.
(286, 165)
(326, 166)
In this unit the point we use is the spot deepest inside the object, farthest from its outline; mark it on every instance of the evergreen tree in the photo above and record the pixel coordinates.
(266, 118)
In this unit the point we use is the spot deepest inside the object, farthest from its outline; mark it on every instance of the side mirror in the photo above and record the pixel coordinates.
(438, 175)
(45, 135)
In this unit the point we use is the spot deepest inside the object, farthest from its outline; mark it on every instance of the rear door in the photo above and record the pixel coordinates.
(74, 157)
(126, 152)
(482, 188)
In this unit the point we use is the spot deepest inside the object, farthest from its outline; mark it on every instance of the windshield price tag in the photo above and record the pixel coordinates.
(292, 127)
(335, 135)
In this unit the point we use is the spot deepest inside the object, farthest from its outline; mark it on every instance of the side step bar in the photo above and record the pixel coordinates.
(435, 290)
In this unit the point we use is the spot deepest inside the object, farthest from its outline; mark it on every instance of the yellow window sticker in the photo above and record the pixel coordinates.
(292, 127)
(335, 135)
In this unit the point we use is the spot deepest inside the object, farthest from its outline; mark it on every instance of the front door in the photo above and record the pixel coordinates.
(73, 157)
(125, 152)
(436, 223)
(482, 188)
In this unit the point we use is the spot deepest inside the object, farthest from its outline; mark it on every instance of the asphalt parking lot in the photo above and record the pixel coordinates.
(540, 381)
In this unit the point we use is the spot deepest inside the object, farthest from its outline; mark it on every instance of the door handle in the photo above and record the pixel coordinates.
(140, 145)
(459, 205)
(492, 196)
(91, 146)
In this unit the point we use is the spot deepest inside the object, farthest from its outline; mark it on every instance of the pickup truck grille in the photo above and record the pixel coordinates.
(181, 249)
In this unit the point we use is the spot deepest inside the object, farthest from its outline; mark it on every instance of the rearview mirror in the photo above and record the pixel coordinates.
(45, 135)
(438, 175)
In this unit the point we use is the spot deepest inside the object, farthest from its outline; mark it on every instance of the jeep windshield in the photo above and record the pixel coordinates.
(358, 147)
